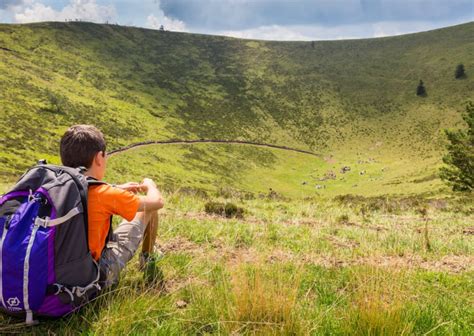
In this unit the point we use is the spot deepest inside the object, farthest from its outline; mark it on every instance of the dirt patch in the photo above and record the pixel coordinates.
(369, 227)
(210, 217)
(468, 231)
(330, 159)
(343, 243)
(450, 264)
(174, 285)
(179, 244)
(218, 251)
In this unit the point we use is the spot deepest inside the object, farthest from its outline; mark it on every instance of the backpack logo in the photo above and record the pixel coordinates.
(13, 302)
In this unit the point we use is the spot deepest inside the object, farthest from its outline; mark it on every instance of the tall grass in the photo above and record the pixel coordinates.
(377, 305)
(264, 302)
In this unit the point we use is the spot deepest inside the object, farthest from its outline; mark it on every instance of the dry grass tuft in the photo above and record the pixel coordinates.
(378, 303)
(265, 303)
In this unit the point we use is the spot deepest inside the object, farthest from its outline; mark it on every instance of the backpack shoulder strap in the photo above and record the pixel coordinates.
(92, 181)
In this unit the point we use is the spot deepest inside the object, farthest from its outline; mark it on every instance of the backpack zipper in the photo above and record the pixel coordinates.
(6, 225)
(26, 270)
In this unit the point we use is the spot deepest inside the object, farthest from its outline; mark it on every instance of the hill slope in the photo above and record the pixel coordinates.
(342, 98)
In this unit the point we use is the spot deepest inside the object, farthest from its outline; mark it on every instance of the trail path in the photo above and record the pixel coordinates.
(184, 142)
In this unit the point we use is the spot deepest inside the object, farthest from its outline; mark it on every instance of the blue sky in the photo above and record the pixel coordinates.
(262, 19)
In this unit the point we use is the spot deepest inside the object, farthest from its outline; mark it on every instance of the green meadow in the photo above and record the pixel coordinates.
(345, 266)
(362, 238)
(256, 170)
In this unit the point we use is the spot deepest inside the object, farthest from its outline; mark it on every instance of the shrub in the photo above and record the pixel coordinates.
(228, 209)
(232, 210)
(342, 219)
(56, 102)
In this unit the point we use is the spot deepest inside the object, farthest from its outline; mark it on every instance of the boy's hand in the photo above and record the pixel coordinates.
(133, 187)
(153, 199)
(148, 183)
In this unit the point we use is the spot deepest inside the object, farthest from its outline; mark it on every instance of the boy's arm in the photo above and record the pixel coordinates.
(153, 199)
(133, 187)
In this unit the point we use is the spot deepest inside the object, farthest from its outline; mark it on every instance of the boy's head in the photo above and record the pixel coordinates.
(84, 146)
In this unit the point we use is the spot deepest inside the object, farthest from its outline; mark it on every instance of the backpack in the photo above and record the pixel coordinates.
(46, 268)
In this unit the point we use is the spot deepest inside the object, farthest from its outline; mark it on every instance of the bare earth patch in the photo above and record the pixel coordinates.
(218, 250)
(236, 255)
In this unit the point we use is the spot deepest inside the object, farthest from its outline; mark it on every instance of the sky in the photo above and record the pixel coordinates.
(256, 19)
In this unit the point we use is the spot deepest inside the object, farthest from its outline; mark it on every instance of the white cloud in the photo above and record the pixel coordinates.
(86, 10)
(316, 32)
(273, 32)
(155, 21)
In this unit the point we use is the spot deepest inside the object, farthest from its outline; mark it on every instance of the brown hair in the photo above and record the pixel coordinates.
(80, 144)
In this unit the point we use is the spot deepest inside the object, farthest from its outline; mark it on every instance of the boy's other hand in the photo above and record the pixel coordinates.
(153, 199)
(133, 187)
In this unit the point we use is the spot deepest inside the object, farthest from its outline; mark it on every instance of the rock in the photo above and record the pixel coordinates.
(362, 172)
(345, 169)
(468, 231)
(181, 304)
(330, 175)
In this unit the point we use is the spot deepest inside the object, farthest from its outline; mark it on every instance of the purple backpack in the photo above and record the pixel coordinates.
(46, 268)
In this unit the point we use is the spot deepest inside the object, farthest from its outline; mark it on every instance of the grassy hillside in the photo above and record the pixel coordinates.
(349, 99)
(304, 258)
(305, 267)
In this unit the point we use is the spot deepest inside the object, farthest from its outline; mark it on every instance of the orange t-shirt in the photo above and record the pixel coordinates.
(104, 201)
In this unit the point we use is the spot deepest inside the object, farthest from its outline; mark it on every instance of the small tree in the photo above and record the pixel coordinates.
(162, 28)
(420, 90)
(459, 172)
(56, 101)
(460, 73)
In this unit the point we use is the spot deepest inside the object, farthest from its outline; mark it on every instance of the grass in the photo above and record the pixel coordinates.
(379, 304)
(381, 249)
(255, 170)
(342, 98)
(291, 267)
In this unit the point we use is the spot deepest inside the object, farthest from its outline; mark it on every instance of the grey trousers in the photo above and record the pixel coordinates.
(120, 249)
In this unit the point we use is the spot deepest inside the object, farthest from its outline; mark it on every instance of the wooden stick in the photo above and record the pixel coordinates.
(151, 231)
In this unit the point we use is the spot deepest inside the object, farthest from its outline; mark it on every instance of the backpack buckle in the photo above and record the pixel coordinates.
(82, 169)
(42, 222)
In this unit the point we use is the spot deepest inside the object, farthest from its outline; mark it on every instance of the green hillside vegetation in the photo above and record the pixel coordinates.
(362, 238)
(350, 266)
(351, 100)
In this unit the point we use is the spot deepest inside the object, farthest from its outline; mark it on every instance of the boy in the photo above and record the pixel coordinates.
(84, 146)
